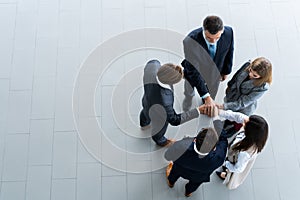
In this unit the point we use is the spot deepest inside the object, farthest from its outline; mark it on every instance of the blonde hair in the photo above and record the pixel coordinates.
(170, 73)
(263, 68)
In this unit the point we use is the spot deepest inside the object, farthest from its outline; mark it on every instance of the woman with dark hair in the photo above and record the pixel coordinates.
(243, 151)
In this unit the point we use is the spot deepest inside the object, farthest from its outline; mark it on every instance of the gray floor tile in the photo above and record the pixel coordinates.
(15, 157)
(38, 183)
(288, 175)
(2, 147)
(265, 184)
(114, 15)
(83, 155)
(69, 5)
(41, 142)
(12, 190)
(22, 70)
(113, 157)
(244, 54)
(109, 4)
(155, 17)
(245, 190)
(8, 17)
(175, 21)
(69, 29)
(4, 91)
(286, 143)
(28, 6)
(6, 51)
(25, 32)
(89, 181)
(43, 98)
(113, 73)
(267, 47)
(139, 186)
(63, 110)
(109, 185)
(134, 15)
(46, 56)
(266, 158)
(160, 189)
(47, 22)
(64, 155)
(215, 184)
(197, 12)
(63, 189)
(67, 65)
(19, 112)
(107, 171)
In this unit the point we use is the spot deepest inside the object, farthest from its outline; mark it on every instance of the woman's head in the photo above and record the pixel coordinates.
(170, 73)
(256, 134)
(260, 70)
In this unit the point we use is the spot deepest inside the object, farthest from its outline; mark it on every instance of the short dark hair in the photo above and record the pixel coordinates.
(213, 24)
(206, 140)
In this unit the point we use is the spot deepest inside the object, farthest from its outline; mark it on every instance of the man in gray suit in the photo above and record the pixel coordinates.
(158, 100)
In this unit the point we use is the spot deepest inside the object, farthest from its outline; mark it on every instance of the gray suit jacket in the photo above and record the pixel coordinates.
(241, 94)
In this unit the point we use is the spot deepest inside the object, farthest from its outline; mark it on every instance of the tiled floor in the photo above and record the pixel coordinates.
(45, 42)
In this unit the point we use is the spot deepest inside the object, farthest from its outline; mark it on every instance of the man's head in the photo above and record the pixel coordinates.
(170, 74)
(206, 140)
(213, 28)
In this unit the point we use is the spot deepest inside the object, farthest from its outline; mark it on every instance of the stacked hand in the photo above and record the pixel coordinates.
(208, 110)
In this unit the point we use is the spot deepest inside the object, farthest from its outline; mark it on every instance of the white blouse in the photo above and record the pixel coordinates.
(233, 116)
(242, 159)
(243, 156)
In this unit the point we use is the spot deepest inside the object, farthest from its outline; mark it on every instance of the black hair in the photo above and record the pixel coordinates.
(213, 24)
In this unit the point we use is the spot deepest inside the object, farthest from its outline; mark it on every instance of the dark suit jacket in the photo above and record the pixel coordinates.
(199, 169)
(157, 95)
(197, 60)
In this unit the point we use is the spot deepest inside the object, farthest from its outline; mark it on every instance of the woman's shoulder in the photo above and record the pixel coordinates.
(262, 87)
(252, 151)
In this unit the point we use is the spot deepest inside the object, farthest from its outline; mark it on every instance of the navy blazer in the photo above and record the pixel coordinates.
(157, 95)
(194, 168)
(195, 63)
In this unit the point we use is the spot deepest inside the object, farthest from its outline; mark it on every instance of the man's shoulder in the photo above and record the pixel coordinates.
(228, 30)
(195, 32)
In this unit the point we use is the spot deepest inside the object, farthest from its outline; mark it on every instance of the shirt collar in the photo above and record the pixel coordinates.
(163, 85)
(198, 152)
(207, 42)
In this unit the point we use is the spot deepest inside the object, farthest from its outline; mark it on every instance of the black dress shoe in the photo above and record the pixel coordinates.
(219, 175)
(224, 168)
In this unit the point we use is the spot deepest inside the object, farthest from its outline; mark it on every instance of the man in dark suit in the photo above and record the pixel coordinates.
(158, 100)
(208, 60)
(205, 154)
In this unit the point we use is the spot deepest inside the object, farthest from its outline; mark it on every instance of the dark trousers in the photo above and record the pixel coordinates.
(190, 187)
(230, 128)
(159, 126)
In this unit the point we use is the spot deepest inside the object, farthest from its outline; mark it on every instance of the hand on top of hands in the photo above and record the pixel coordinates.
(209, 111)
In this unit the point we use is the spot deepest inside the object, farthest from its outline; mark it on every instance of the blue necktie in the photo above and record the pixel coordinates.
(212, 50)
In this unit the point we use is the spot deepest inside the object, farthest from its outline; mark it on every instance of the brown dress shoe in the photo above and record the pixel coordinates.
(169, 142)
(188, 195)
(168, 171)
(143, 128)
